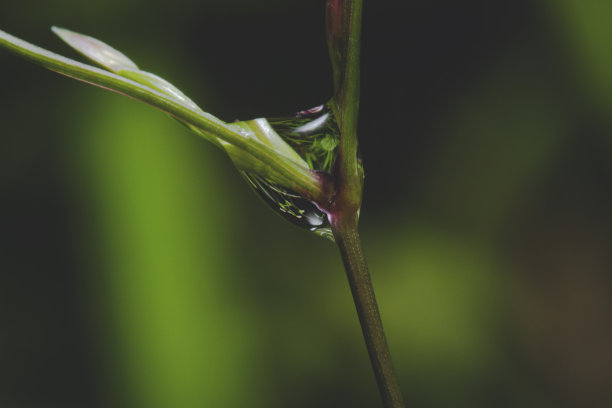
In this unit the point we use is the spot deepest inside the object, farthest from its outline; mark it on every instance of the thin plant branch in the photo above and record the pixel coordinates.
(343, 37)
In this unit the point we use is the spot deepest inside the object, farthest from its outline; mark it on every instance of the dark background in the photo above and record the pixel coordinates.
(138, 270)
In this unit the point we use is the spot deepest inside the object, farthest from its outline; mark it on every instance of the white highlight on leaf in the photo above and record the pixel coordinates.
(158, 83)
(266, 134)
(95, 50)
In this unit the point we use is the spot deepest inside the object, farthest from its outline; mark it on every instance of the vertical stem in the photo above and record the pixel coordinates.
(344, 38)
(349, 243)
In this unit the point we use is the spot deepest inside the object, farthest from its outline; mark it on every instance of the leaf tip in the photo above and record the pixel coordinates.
(59, 31)
(95, 50)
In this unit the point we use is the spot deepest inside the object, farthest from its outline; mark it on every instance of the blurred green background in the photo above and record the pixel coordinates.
(138, 270)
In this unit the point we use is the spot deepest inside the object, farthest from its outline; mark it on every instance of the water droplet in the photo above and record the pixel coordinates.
(314, 135)
(291, 206)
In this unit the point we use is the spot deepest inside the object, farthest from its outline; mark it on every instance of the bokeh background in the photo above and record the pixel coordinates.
(138, 270)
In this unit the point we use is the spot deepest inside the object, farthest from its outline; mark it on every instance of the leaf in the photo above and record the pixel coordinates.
(108, 80)
(95, 50)
(261, 129)
(270, 162)
(159, 84)
(114, 60)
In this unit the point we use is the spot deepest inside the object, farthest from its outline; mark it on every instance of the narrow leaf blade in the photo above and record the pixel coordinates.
(293, 175)
(113, 82)
(94, 49)
(159, 84)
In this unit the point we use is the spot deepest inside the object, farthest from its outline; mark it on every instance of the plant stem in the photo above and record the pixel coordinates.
(349, 243)
(343, 39)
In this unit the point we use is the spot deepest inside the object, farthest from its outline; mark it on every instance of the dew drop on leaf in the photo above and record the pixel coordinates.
(314, 135)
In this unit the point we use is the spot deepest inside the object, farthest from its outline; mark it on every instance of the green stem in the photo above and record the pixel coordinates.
(344, 38)
(349, 243)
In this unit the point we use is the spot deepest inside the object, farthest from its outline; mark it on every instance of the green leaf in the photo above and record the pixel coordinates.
(269, 162)
(95, 50)
(117, 62)
(104, 79)
(159, 84)
(261, 129)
